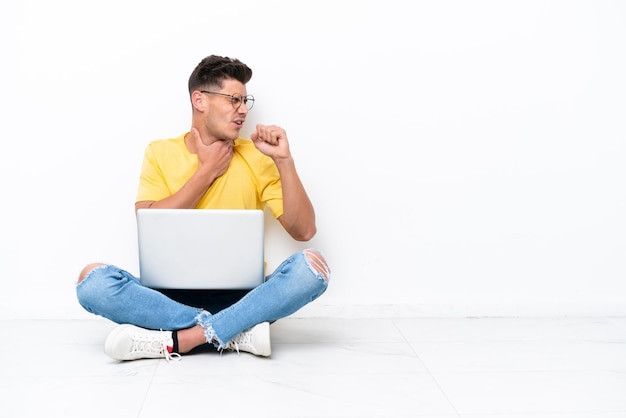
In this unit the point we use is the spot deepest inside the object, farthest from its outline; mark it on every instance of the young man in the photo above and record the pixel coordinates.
(210, 167)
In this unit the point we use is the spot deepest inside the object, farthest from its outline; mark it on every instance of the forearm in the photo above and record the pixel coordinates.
(298, 216)
(187, 197)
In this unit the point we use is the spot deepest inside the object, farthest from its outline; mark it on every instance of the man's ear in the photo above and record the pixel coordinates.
(198, 100)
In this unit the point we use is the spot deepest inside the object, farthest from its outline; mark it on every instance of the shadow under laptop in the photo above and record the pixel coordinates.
(212, 300)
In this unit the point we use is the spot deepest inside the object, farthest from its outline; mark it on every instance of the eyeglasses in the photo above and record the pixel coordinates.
(235, 99)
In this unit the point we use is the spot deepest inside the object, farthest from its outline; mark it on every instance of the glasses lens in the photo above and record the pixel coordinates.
(235, 100)
(248, 101)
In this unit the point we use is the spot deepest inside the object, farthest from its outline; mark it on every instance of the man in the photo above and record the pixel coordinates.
(210, 167)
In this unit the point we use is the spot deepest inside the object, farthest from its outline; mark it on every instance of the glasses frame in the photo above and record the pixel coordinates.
(235, 98)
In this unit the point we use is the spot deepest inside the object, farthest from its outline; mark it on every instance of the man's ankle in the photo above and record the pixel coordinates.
(190, 338)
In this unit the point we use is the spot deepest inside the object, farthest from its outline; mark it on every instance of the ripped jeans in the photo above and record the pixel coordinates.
(117, 295)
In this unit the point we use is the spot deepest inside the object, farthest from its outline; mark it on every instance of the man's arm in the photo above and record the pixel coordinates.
(298, 216)
(213, 160)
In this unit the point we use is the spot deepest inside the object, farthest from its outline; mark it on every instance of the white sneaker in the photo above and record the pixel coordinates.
(255, 340)
(129, 342)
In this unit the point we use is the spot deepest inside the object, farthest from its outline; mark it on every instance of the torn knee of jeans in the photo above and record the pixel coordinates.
(87, 270)
(317, 262)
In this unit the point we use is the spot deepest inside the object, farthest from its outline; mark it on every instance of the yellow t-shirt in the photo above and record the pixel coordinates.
(251, 181)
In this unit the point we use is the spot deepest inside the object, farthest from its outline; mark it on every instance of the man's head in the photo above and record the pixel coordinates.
(220, 102)
(213, 70)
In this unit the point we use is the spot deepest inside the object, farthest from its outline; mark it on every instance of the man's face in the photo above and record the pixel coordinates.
(225, 113)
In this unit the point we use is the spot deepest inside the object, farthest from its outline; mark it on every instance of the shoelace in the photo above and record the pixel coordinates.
(144, 344)
(244, 338)
(171, 356)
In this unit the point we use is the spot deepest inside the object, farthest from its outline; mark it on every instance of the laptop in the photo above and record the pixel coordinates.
(201, 248)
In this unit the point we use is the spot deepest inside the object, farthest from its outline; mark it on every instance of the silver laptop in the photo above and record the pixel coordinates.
(201, 248)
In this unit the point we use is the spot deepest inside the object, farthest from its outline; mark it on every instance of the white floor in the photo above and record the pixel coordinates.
(495, 368)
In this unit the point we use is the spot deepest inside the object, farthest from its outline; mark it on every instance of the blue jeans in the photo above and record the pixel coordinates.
(115, 294)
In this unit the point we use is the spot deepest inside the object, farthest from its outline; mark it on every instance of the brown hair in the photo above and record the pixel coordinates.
(212, 70)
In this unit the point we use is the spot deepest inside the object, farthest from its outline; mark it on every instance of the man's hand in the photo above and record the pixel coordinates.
(215, 157)
(271, 140)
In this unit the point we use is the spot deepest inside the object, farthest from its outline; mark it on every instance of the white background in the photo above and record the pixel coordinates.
(464, 157)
